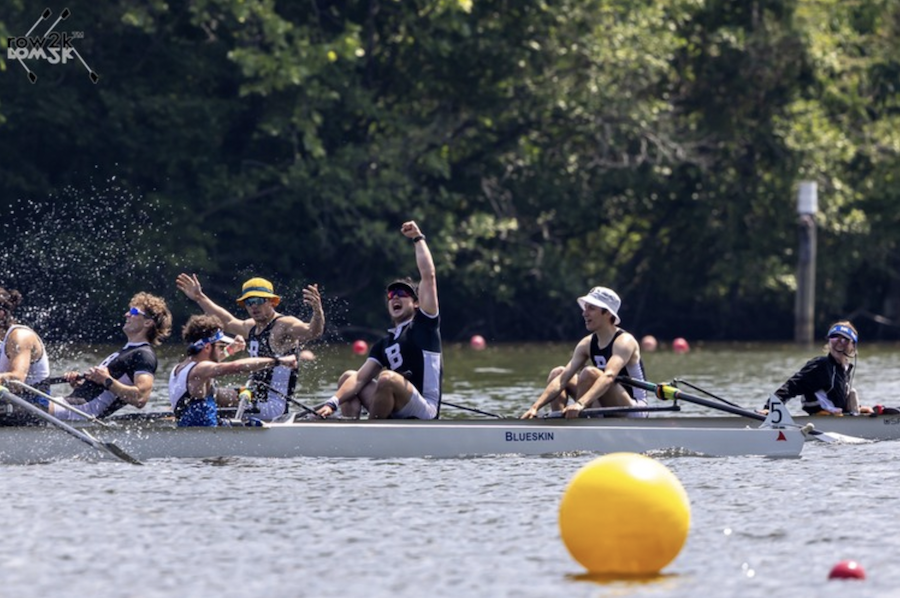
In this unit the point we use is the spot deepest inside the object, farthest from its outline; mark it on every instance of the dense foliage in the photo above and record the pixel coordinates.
(544, 147)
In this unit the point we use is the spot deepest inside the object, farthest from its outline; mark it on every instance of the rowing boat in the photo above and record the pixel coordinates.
(869, 427)
(159, 438)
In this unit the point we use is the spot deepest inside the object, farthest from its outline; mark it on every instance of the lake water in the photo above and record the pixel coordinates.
(455, 527)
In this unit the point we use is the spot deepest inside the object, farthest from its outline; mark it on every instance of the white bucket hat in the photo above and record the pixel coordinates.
(605, 298)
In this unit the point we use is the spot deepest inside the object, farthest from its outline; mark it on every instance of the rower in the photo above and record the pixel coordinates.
(193, 393)
(590, 375)
(126, 376)
(826, 382)
(268, 333)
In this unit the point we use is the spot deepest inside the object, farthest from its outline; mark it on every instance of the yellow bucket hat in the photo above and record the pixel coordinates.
(258, 287)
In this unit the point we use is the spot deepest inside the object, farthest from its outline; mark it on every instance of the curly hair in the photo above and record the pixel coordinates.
(9, 301)
(199, 327)
(159, 313)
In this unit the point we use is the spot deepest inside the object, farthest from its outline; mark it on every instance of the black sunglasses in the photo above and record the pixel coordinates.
(401, 293)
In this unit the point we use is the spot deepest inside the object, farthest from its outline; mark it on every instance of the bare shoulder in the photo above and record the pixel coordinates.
(287, 326)
(626, 345)
(286, 321)
(203, 370)
(626, 338)
(584, 346)
(22, 336)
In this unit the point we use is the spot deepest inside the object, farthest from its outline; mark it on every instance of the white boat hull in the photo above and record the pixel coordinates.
(398, 439)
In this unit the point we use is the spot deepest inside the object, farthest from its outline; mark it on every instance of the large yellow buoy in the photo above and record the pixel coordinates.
(624, 514)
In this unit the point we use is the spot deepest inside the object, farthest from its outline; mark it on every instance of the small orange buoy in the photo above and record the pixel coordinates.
(679, 345)
(477, 342)
(360, 347)
(847, 570)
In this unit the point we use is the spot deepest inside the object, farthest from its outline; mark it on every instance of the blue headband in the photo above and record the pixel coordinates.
(842, 330)
(198, 345)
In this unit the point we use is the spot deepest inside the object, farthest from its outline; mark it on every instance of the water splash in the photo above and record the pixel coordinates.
(79, 255)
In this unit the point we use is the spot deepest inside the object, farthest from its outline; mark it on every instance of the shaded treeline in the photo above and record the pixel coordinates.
(545, 147)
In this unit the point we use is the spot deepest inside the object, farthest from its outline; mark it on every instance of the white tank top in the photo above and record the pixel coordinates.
(39, 370)
(178, 383)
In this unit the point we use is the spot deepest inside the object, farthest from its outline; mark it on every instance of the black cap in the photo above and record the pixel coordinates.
(406, 285)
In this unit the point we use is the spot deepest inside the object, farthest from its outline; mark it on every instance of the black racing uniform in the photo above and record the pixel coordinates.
(269, 386)
(123, 365)
(413, 350)
(600, 357)
(823, 382)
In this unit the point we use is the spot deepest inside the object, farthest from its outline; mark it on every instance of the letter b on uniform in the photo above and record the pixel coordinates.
(395, 359)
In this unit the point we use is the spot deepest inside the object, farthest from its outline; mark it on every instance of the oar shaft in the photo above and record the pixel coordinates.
(472, 409)
(666, 392)
(289, 399)
(61, 403)
(670, 393)
(82, 436)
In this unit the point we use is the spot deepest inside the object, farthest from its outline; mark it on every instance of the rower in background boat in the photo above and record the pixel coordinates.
(826, 382)
(126, 376)
(600, 356)
(22, 354)
(268, 333)
(401, 379)
(193, 392)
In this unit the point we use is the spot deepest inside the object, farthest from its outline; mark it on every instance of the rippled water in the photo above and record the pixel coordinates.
(458, 527)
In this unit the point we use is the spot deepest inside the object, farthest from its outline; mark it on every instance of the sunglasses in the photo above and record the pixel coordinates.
(400, 293)
(133, 311)
(254, 301)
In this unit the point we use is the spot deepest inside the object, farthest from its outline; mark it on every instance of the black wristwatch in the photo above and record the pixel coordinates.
(108, 383)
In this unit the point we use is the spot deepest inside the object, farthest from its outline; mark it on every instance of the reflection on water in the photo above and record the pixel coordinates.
(453, 527)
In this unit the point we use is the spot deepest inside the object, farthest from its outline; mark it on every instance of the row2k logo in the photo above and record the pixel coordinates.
(53, 46)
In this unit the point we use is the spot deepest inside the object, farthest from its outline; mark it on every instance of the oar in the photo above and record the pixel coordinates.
(677, 381)
(59, 379)
(290, 400)
(84, 437)
(670, 393)
(472, 409)
(61, 403)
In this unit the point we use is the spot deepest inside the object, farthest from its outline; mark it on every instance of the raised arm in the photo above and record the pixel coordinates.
(302, 331)
(428, 295)
(190, 286)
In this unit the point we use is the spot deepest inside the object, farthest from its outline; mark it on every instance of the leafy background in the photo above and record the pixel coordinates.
(653, 147)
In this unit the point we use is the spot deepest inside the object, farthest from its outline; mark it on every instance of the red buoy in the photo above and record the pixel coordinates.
(679, 345)
(360, 347)
(847, 570)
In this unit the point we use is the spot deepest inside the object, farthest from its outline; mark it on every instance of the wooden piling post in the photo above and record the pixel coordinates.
(805, 302)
